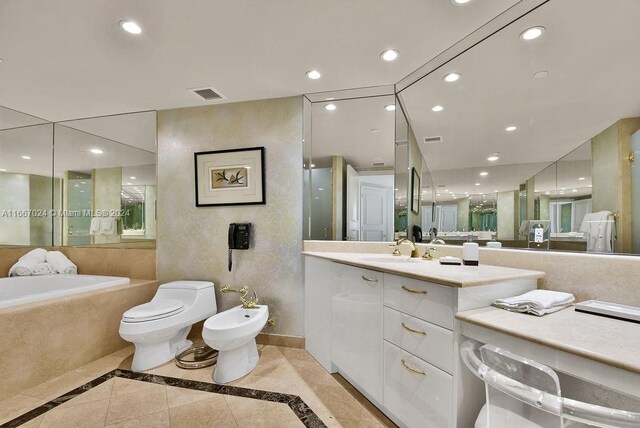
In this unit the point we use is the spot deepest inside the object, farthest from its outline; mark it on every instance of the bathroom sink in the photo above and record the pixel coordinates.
(390, 259)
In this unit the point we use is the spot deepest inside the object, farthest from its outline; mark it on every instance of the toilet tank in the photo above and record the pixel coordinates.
(188, 292)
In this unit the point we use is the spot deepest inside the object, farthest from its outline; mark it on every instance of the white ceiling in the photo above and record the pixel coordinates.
(360, 130)
(590, 49)
(14, 119)
(68, 60)
(72, 152)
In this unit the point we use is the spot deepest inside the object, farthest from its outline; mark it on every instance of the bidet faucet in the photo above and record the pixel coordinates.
(246, 303)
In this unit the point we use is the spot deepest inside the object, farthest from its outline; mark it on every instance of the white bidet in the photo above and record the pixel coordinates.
(233, 333)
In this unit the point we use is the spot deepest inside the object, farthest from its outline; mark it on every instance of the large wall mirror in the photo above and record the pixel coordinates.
(349, 166)
(529, 136)
(80, 182)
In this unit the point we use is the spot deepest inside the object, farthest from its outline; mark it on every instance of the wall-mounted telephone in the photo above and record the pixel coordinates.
(239, 234)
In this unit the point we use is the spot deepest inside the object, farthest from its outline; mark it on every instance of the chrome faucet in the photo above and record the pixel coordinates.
(414, 249)
(428, 253)
(246, 303)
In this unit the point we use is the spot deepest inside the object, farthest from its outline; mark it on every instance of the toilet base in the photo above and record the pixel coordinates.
(150, 355)
(236, 363)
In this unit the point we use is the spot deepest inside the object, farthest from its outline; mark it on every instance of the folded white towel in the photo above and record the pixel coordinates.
(108, 226)
(44, 269)
(23, 267)
(537, 302)
(61, 263)
(39, 255)
(94, 228)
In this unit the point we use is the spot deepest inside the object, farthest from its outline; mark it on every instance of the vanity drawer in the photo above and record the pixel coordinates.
(428, 341)
(424, 300)
(417, 393)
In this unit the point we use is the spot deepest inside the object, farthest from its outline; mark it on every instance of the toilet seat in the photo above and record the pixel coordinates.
(153, 310)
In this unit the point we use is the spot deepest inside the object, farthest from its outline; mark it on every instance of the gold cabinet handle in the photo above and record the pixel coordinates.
(424, 333)
(411, 369)
(411, 290)
(369, 279)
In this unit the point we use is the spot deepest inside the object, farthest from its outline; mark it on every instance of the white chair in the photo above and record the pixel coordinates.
(523, 393)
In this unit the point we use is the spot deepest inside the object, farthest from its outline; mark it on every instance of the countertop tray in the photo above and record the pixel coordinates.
(612, 310)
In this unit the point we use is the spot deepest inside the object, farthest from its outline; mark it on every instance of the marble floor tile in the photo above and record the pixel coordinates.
(128, 400)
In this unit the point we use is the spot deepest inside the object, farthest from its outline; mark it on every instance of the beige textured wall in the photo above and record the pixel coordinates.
(14, 195)
(192, 242)
(506, 203)
(41, 227)
(463, 215)
(107, 186)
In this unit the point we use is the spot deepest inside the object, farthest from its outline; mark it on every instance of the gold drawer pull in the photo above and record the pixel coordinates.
(413, 331)
(369, 279)
(412, 370)
(411, 290)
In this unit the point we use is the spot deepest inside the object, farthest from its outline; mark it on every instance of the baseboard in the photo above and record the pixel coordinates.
(280, 340)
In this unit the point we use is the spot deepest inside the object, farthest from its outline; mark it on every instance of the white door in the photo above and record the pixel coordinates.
(448, 218)
(374, 213)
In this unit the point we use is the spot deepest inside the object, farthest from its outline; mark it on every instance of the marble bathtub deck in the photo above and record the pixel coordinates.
(287, 389)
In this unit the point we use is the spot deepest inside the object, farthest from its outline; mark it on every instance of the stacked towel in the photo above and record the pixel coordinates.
(536, 302)
(27, 263)
(61, 263)
(44, 269)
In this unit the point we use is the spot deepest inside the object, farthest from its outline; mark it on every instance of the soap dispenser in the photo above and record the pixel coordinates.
(470, 252)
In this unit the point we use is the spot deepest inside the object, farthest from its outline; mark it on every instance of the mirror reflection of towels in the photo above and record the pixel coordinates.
(599, 230)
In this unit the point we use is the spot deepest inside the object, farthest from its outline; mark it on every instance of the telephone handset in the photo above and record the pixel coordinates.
(239, 234)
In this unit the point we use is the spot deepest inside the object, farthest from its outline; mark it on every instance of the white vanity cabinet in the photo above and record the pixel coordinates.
(356, 333)
(396, 339)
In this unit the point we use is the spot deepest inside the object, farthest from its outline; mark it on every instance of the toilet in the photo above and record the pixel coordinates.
(233, 333)
(159, 329)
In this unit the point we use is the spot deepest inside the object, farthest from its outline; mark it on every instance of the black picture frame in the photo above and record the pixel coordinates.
(415, 191)
(249, 161)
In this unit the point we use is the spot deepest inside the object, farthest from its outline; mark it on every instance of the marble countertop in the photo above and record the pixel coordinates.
(429, 270)
(606, 340)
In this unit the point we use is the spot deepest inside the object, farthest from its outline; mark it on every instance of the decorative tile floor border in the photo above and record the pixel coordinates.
(295, 403)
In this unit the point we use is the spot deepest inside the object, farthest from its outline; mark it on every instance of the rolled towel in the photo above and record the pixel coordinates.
(537, 302)
(61, 263)
(23, 267)
(39, 255)
(44, 269)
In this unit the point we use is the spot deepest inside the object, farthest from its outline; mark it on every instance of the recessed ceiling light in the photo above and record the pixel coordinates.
(96, 151)
(477, 184)
(76, 185)
(330, 107)
(330, 98)
(374, 130)
(313, 74)
(320, 188)
(494, 157)
(581, 178)
(541, 74)
(484, 173)
(575, 190)
(130, 27)
(313, 165)
(532, 33)
(547, 192)
(390, 107)
(452, 77)
(495, 191)
(132, 178)
(82, 191)
(590, 185)
(437, 108)
(3, 170)
(26, 157)
(83, 182)
(510, 128)
(129, 184)
(460, 2)
(389, 55)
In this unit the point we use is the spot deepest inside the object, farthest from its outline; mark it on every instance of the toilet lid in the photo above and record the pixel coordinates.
(153, 310)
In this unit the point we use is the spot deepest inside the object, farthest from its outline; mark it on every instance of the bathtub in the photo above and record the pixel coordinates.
(28, 289)
(59, 323)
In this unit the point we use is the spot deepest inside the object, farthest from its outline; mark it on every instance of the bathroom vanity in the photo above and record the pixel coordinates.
(388, 325)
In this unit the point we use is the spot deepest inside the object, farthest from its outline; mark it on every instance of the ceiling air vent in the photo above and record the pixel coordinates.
(431, 140)
(208, 94)
(378, 162)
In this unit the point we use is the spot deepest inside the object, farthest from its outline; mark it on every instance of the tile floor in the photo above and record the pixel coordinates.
(121, 402)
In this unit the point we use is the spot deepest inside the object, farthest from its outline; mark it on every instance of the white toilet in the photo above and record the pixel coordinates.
(159, 329)
(233, 333)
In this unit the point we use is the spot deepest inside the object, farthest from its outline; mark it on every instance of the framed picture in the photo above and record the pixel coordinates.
(415, 191)
(230, 177)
